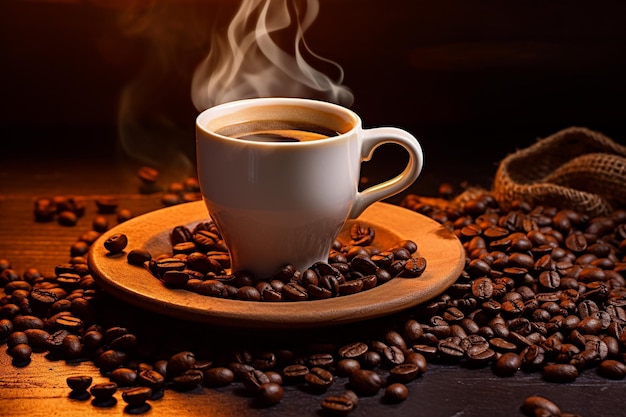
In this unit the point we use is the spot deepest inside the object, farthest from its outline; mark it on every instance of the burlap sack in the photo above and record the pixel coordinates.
(575, 168)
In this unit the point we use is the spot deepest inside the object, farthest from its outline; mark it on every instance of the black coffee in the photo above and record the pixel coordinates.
(277, 131)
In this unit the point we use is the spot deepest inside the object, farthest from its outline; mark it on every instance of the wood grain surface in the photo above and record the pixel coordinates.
(39, 389)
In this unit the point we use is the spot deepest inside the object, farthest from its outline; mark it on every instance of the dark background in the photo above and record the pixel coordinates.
(471, 79)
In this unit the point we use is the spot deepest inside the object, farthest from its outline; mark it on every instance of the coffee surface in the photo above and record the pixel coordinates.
(277, 131)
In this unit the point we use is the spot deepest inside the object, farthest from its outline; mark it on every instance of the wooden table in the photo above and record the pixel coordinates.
(39, 389)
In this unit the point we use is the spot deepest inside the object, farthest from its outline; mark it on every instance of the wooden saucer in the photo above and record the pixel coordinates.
(444, 254)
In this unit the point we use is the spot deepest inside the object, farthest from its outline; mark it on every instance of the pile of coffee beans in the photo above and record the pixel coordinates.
(199, 261)
(543, 291)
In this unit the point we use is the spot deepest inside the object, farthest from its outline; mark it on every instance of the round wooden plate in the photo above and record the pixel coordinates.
(444, 254)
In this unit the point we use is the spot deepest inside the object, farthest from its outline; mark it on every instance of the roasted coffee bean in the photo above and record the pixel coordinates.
(383, 259)
(103, 393)
(161, 266)
(138, 257)
(414, 267)
(294, 292)
(353, 350)
(270, 393)
(361, 236)
(404, 372)
(111, 359)
(346, 366)
(67, 218)
(100, 224)
(107, 205)
(124, 377)
(151, 378)
(323, 360)
(253, 380)
(612, 369)
(295, 373)
(218, 377)
(350, 287)
(396, 392)
(180, 362)
(507, 365)
(339, 405)
(188, 380)
(250, 293)
(137, 396)
(71, 347)
(319, 378)
(68, 322)
(36, 338)
(450, 348)
(24, 322)
(148, 174)
(366, 382)
(21, 353)
(116, 243)
(560, 372)
(175, 279)
(534, 404)
(79, 384)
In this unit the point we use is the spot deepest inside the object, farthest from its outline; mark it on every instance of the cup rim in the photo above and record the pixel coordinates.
(221, 111)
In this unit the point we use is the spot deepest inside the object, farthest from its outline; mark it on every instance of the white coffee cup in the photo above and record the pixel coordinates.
(279, 203)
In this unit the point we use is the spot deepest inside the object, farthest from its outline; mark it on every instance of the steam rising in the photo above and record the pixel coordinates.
(249, 62)
(261, 53)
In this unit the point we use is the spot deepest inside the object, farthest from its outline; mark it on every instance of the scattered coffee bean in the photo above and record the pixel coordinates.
(137, 396)
(366, 382)
(533, 405)
(148, 174)
(103, 394)
(79, 384)
(542, 291)
(396, 392)
(116, 243)
(106, 205)
(270, 393)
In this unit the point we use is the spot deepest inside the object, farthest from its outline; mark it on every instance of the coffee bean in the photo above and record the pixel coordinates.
(188, 380)
(353, 350)
(404, 372)
(103, 394)
(560, 372)
(507, 365)
(79, 384)
(338, 405)
(366, 382)
(137, 396)
(67, 218)
(319, 378)
(148, 174)
(295, 373)
(270, 393)
(71, 347)
(533, 404)
(612, 369)
(396, 392)
(20, 353)
(414, 267)
(151, 378)
(116, 243)
(218, 377)
(180, 362)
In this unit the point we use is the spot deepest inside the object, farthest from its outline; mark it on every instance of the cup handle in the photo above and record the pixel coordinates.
(372, 139)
